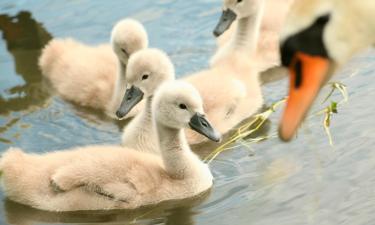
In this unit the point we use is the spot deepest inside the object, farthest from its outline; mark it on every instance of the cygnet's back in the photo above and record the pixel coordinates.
(93, 75)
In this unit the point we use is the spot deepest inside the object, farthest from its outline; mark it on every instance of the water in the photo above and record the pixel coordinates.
(304, 182)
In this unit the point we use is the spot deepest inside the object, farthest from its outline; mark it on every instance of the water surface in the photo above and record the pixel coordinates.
(303, 182)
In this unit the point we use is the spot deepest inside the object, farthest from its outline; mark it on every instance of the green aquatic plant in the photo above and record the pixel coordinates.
(332, 108)
(238, 138)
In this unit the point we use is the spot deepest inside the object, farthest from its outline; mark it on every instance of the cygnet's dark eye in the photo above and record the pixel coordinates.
(145, 77)
(238, 1)
(182, 106)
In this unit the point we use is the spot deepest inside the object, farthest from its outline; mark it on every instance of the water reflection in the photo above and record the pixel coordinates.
(24, 38)
(182, 216)
(167, 213)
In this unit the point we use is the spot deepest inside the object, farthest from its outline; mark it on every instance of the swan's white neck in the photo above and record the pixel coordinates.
(120, 86)
(179, 161)
(247, 33)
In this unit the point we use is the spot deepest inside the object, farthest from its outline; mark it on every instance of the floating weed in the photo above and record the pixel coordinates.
(332, 108)
(337, 86)
(328, 112)
(245, 130)
(259, 119)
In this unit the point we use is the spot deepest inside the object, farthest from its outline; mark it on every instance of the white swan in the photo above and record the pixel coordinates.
(109, 177)
(93, 76)
(318, 38)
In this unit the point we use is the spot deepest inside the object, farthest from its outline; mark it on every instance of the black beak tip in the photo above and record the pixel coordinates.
(217, 139)
(120, 114)
(216, 33)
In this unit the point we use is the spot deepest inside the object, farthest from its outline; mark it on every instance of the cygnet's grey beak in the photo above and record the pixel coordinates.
(226, 19)
(201, 125)
(132, 96)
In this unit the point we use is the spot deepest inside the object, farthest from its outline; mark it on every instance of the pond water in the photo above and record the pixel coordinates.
(303, 182)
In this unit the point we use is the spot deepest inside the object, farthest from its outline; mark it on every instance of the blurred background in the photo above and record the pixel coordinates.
(306, 181)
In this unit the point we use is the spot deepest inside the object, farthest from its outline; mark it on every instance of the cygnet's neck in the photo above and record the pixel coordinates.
(146, 115)
(120, 86)
(247, 33)
(179, 161)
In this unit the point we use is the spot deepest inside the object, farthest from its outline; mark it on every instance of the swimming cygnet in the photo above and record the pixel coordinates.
(93, 76)
(110, 177)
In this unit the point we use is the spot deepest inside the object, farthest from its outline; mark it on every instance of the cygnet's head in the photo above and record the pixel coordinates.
(236, 9)
(128, 36)
(147, 69)
(178, 105)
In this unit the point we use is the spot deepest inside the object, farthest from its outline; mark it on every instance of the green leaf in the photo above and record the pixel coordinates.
(334, 107)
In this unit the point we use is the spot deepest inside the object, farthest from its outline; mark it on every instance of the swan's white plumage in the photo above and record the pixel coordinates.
(351, 27)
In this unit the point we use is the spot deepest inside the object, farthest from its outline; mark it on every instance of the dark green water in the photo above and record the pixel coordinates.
(303, 182)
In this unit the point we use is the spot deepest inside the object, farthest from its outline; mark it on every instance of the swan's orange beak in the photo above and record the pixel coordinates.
(307, 75)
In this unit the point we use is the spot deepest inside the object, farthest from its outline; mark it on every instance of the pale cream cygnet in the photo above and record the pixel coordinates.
(252, 26)
(93, 76)
(110, 177)
(146, 71)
